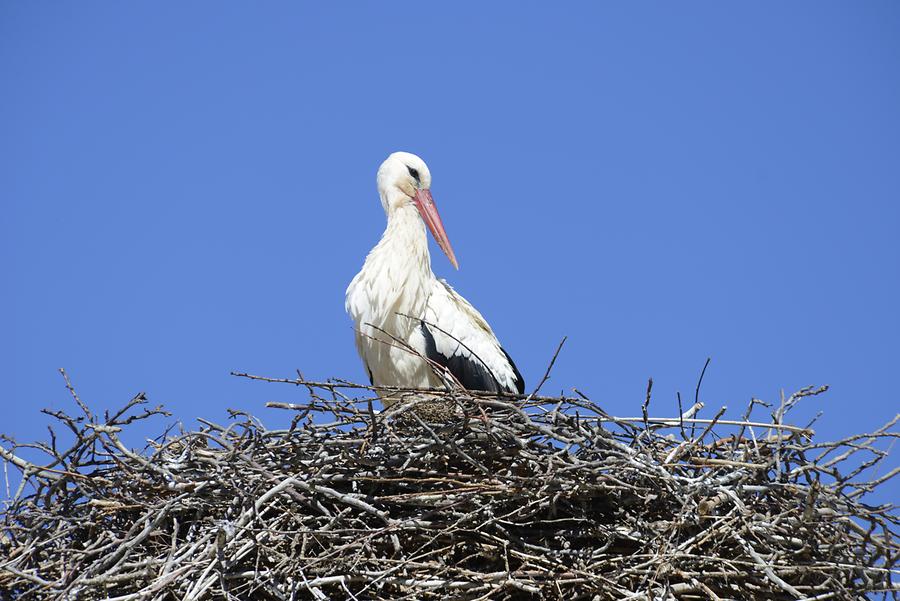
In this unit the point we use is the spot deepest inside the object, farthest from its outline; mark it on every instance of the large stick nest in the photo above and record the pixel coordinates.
(500, 498)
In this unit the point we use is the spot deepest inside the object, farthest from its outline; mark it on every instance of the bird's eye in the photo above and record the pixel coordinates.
(414, 173)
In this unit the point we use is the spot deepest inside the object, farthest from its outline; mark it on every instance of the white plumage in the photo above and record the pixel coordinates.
(403, 314)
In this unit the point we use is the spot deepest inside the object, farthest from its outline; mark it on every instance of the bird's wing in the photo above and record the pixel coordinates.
(455, 335)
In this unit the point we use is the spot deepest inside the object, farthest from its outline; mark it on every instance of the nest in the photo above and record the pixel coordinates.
(529, 497)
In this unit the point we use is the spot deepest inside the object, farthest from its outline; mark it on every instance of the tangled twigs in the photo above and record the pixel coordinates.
(511, 497)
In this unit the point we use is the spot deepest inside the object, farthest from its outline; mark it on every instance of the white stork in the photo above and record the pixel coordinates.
(404, 314)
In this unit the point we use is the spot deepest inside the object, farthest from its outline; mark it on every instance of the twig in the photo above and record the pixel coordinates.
(544, 497)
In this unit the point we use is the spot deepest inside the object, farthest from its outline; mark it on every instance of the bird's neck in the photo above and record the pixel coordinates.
(400, 263)
(405, 227)
(398, 270)
(404, 245)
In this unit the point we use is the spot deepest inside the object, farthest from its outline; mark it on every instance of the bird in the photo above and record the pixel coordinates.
(413, 329)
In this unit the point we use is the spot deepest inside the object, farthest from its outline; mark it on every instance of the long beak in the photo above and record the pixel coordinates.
(428, 210)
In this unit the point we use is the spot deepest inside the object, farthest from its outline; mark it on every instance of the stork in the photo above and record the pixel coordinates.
(408, 321)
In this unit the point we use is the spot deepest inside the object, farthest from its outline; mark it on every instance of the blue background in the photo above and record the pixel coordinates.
(187, 188)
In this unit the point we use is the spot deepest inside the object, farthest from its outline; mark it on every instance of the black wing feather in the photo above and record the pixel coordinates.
(471, 373)
(520, 381)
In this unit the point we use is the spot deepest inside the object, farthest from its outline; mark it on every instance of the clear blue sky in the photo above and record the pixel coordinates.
(187, 188)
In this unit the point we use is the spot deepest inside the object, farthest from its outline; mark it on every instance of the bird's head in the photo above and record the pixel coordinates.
(403, 180)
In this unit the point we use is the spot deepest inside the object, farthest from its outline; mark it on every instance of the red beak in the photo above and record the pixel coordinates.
(428, 210)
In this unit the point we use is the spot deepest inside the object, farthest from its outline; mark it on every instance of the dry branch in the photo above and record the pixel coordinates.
(528, 497)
